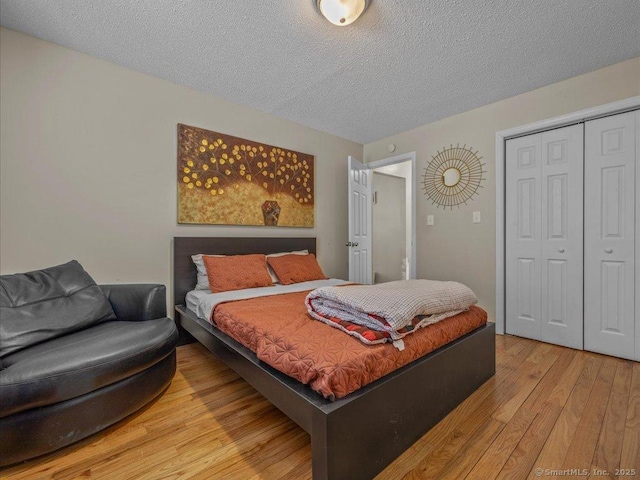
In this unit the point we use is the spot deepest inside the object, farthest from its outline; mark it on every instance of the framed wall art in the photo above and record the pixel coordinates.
(453, 176)
(226, 180)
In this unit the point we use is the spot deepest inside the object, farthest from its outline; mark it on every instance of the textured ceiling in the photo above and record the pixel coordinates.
(403, 64)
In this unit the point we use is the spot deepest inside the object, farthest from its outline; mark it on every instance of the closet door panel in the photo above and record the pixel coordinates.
(637, 249)
(610, 235)
(562, 158)
(523, 233)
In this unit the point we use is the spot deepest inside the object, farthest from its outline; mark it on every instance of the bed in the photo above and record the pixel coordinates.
(398, 414)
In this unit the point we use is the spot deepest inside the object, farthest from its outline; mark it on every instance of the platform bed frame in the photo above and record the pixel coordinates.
(357, 436)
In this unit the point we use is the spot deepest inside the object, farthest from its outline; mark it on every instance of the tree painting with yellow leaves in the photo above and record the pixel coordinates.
(227, 180)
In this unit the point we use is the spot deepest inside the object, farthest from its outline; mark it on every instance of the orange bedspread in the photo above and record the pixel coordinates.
(278, 329)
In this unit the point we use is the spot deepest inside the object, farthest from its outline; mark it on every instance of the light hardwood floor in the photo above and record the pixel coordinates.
(547, 407)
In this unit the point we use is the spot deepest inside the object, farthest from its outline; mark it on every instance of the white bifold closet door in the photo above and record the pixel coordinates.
(610, 235)
(544, 236)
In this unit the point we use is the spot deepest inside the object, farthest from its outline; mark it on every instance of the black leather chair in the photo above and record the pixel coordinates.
(63, 389)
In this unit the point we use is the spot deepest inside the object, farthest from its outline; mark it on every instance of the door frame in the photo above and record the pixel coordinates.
(502, 136)
(410, 156)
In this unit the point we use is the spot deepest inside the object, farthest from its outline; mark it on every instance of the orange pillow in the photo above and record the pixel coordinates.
(296, 268)
(235, 272)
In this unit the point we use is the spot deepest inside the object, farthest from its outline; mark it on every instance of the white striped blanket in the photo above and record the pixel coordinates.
(390, 306)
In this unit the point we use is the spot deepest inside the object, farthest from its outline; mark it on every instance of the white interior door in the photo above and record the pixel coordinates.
(522, 242)
(637, 296)
(610, 235)
(544, 236)
(562, 161)
(360, 214)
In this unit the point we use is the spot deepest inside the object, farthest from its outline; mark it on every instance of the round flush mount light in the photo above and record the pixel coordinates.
(342, 12)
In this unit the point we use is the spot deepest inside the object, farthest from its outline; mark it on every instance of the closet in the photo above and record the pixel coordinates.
(572, 233)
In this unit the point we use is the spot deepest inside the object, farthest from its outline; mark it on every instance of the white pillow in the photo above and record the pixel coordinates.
(203, 279)
(274, 278)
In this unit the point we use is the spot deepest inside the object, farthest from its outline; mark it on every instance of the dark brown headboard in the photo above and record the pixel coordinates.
(184, 271)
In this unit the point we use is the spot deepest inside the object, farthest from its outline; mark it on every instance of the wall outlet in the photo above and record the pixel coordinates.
(430, 220)
(476, 217)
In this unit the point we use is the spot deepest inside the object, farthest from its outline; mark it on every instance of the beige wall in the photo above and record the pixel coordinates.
(455, 248)
(88, 165)
(88, 158)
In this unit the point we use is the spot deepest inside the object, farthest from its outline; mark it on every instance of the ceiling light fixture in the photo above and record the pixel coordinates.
(342, 12)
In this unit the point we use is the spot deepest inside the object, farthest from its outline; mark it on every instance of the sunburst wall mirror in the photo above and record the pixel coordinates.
(453, 176)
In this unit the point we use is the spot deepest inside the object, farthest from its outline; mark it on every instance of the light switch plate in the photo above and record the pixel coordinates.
(430, 220)
(476, 217)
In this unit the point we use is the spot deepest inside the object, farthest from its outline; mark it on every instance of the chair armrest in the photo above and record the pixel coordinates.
(137, 302)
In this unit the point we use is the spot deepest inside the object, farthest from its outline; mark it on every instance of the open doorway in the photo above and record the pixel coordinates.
(389, 227)
(393, 218)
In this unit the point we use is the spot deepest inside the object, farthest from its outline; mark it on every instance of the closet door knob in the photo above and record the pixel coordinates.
(608, 250)
(561, 250)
